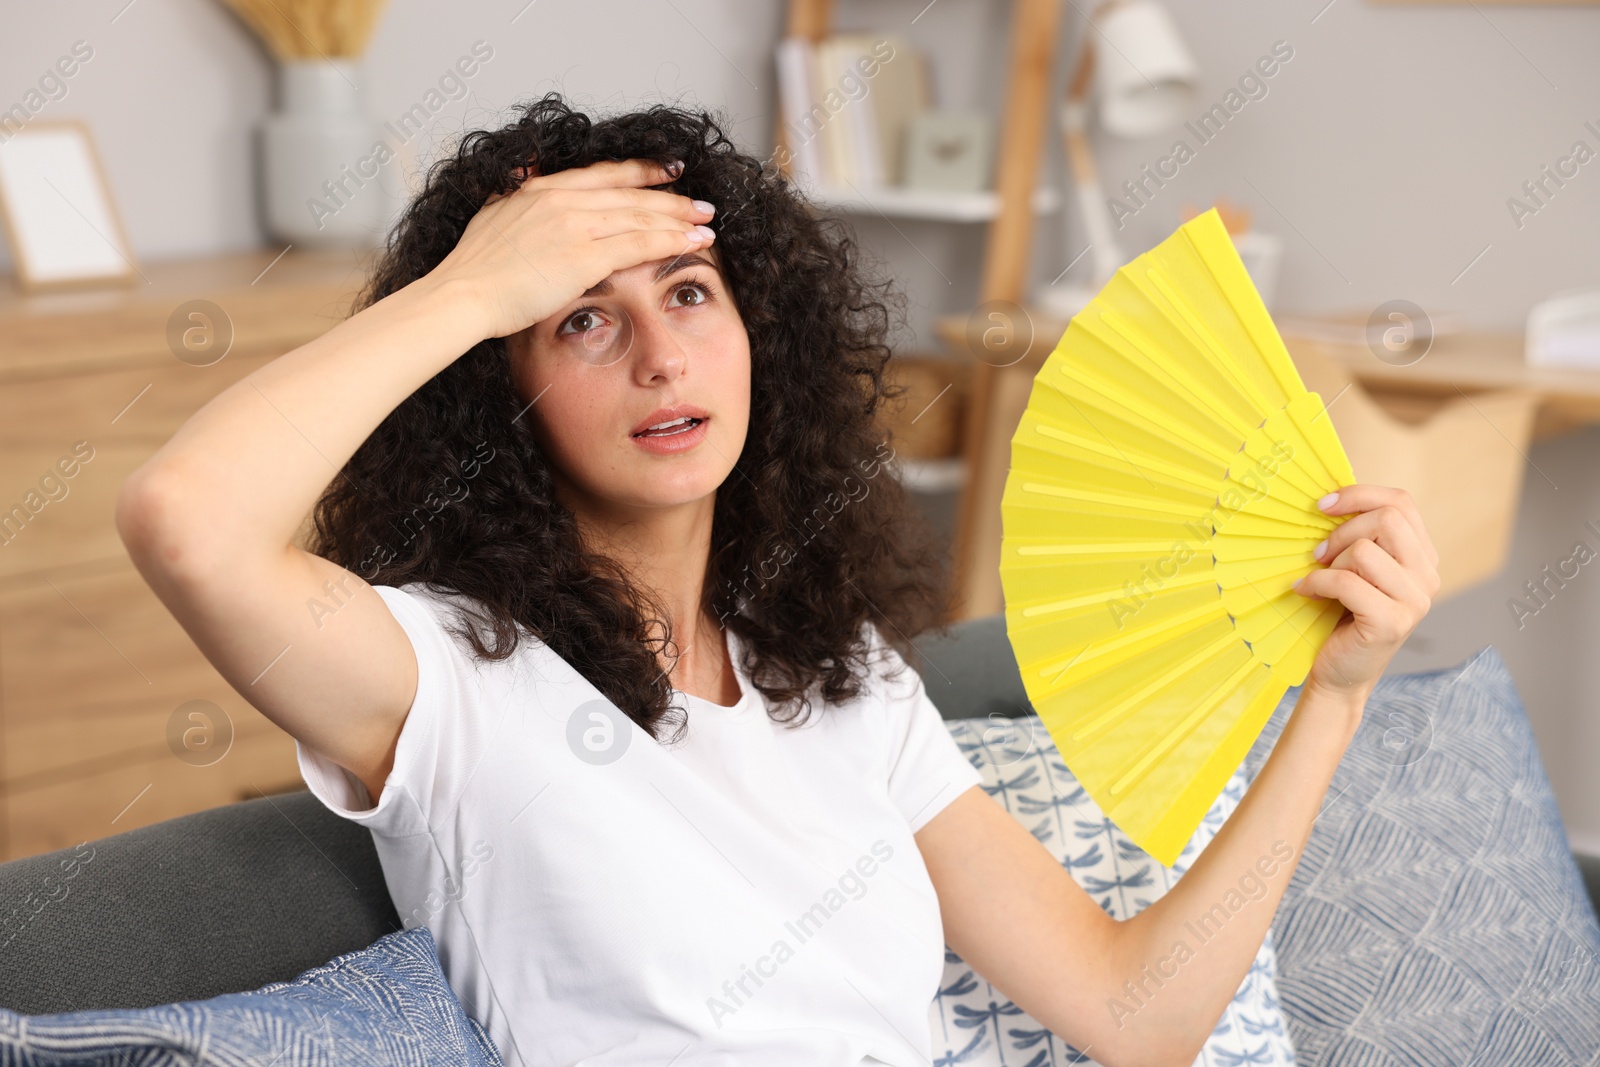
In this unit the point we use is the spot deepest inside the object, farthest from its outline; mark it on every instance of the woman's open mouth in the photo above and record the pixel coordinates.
(668, 429)
(675, 435)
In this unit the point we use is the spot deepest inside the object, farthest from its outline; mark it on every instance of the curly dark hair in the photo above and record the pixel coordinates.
(809, 541)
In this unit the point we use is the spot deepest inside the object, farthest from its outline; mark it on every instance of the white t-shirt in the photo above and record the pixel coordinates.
(749, 895)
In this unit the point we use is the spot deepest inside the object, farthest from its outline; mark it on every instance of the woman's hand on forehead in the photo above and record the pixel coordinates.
(529, 252)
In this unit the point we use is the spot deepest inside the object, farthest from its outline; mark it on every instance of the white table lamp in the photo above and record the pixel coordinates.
(1144, 80)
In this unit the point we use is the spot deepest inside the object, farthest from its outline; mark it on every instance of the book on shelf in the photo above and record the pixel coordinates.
(795, 58)
(845, 103)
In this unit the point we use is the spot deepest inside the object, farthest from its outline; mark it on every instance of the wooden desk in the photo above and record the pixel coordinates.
(1466, 363)
(92, 666)
(1397, 425)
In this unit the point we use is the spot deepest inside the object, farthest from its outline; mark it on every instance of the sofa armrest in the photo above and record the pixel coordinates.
(214, 902)
(969, 670)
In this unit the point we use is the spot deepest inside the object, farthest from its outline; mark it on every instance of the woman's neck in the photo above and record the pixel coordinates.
(666, 553)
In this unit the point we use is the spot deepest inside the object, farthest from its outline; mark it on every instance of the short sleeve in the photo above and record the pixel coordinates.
(927, 769)
(429, 754)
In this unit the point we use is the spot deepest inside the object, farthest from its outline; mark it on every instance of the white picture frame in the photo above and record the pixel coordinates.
(60, 221)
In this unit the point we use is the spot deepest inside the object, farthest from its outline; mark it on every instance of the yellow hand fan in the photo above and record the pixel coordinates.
(1161, 502)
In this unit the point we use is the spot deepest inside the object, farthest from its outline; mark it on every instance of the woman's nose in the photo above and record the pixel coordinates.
(659, 354)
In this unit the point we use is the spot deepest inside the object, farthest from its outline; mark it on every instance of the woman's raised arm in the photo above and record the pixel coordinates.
(210, 518)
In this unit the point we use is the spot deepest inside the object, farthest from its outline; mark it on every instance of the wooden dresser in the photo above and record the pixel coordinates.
(110, 718)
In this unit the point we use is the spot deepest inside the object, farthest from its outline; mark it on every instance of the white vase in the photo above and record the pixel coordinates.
(319, 170)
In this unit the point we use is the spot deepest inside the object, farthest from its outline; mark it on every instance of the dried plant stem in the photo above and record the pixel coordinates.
(310, 29)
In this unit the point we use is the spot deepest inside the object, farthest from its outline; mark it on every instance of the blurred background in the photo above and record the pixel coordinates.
(192, 187)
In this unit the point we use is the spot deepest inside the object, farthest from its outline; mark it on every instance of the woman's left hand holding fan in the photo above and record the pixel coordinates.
(1381, 565)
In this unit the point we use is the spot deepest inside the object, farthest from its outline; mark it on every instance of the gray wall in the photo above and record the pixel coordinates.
(1383, 154)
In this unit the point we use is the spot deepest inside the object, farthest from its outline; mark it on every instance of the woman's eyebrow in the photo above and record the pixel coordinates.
(664, 267)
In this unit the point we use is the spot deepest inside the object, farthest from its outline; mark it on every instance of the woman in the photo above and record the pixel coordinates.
(602, 630)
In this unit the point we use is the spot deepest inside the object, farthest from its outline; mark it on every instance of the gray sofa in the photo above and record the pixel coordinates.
(230, 899)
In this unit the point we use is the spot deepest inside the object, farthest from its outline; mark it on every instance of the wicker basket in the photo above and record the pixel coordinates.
(925, 423)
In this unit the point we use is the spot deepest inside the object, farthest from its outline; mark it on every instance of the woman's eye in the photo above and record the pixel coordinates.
(699, 293)
(583, 321)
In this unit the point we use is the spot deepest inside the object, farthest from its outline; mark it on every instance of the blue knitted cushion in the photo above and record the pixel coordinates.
(388, 1004)
(1437, 916)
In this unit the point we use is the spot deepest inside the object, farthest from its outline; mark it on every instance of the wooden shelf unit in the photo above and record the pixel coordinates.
(1025, 119)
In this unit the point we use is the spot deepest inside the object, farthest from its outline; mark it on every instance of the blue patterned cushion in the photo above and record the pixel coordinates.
(1437, 916)
(388, 1004)
(974, 1024)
